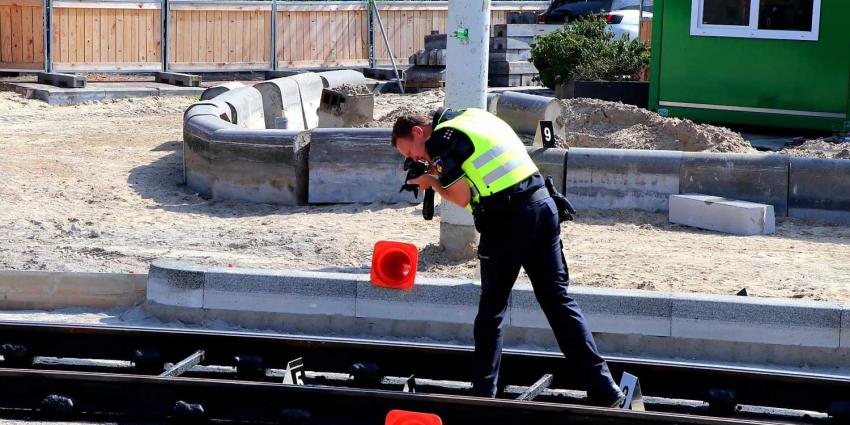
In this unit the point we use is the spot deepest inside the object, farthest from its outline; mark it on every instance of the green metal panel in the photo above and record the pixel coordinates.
(812, 76)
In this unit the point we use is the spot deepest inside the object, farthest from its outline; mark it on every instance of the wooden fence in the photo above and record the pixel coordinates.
(126, 35)
(21, 34)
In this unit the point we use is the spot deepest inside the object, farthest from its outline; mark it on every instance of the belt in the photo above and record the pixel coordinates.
(514, 199)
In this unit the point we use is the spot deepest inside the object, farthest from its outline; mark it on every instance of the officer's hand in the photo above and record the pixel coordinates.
(425, 181)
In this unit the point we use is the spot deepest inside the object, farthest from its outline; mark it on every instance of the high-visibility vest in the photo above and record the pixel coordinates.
(499, 160)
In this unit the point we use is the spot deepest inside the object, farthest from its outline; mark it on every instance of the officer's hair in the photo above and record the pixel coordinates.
(404, 125)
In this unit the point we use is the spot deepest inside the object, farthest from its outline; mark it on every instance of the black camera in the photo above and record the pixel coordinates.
(416, 169)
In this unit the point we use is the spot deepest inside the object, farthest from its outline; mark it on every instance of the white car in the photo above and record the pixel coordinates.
(625, 22)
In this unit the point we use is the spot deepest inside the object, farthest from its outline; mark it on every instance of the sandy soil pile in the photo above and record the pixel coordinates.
(596, 123)
(821, 148)
(390, 106)
(98, 188)
(352, 89)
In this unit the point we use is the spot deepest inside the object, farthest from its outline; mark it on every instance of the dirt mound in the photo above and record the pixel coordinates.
(390, 106)
(820, 148)
(352, 90)
(599, 124)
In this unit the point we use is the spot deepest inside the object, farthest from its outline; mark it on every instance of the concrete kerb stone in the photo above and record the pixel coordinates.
(246, 105)
(178, 79)
(281, 98)
(310, 88)
(523, 111)
(355, 165)
(285, 291)
(176, 284)
(722, 215)
(607, 310)
(215, 91)
(331, 79)
(622, 178)
(754, 178)
(48, 290)
(756, 320)
(820, 189)
(844, 338)
(430, 300)
(62, 80)
(551, 162)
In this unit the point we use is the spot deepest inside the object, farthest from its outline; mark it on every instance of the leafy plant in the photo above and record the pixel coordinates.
(585, 50)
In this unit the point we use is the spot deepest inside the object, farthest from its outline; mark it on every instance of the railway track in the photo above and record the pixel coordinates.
(73, 371)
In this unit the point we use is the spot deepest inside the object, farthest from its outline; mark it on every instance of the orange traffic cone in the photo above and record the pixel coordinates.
(394, 264)
(404, 417)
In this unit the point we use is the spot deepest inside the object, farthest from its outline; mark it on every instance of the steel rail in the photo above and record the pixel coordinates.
(681, 380)
(97, 394)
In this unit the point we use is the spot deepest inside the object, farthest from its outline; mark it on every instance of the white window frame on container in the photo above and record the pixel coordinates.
(752, 30)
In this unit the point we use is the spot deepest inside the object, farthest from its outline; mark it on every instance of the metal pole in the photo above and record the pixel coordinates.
(164, 29)
(274, 35)
(389, 49)
(47, 22)
(640, 19)
(371, 39)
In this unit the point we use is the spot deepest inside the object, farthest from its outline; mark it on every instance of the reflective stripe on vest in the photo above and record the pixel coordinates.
(499, 160)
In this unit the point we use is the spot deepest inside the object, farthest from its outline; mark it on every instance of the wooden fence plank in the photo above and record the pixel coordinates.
(38, 35)
(27, 28)
(17, 35)
(210, 39)
(119, 35)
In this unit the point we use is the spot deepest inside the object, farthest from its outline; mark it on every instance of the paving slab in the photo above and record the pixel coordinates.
(284, 291)
(756, 320)
(606, 310)
(100, 91)
(433, 300)
(176, 284)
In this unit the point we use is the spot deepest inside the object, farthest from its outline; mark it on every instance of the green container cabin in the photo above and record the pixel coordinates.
(781, 63)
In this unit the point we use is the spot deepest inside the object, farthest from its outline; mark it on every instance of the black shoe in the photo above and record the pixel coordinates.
(611, 397)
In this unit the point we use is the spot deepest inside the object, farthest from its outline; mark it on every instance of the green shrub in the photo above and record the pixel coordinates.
(585, 50)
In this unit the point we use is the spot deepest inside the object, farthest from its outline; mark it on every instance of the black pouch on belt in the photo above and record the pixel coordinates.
(566, 212)
(478, 217)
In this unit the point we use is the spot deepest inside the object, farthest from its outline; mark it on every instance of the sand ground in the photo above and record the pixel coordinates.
(97, 187)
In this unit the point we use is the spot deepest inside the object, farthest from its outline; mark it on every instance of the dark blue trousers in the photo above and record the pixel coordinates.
(529, 236)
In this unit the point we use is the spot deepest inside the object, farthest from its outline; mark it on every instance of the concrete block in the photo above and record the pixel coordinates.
(551, 162)
(246, 107)
(515, 80)
(70, 81)
(845, 327)
(355, 165)
(332, 79)
(820, 189)
(310, 87)
(511, 55)
(622, 178)
(339, 110)
(425, 73)
(436, 41)
(178, 79)
(611, 311)
(523, 111)
(498, 44)
(756, 320)
(262, 166)
(722, 215)
(517, 67)
(176, 284)
(42, 290)
(756, 178)
(285, 291)
(523, 30)
(430, 300)
(282, 99)
(214, 91)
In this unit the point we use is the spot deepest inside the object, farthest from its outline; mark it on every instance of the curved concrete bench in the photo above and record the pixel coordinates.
(724, 328)
(332, 79)
(282, 99)
(819, 188)
(246, 107)
(215, 91)
(523, 111)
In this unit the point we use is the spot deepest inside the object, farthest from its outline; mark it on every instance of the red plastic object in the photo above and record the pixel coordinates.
(404, 417)
(394, 264)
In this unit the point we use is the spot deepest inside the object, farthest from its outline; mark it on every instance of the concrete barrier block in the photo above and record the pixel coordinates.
(310, 87)
(331, 79)
(845, 327)
(820, 189)
(214, 91)
(756, 320)
(523, 111)
(355, 165)
(430, 300)
(606, 310)
(176, 284)
(551, 162)
(722, 215)
(621, 178)
(286, 291)
(282, 99)
(246, 106)
(758, 178)
(258, 166)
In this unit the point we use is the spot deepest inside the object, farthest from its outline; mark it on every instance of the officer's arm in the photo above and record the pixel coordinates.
(458, 193)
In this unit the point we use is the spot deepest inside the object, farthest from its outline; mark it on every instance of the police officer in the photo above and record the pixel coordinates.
(520, 227)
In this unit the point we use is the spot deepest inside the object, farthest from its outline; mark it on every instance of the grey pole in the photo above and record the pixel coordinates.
(389, 49)
(165, 39)
(47, 22)
(274, 35)
(371, 39)
(640, 18)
